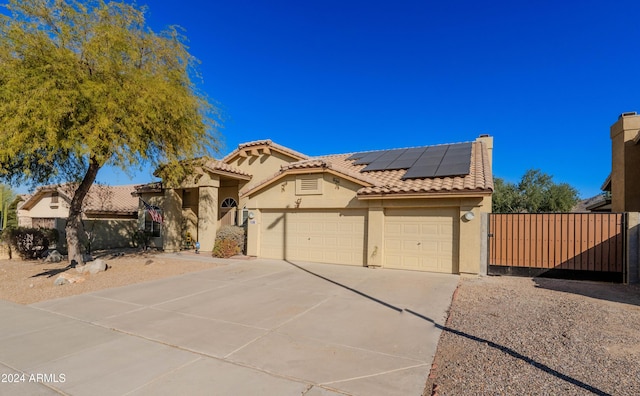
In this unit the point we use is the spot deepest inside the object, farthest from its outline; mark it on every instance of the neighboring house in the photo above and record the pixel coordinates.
(624, 181)
(110, 213)
(416, 208)
(596, 204)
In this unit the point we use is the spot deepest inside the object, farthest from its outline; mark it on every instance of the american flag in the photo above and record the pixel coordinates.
(153, 212)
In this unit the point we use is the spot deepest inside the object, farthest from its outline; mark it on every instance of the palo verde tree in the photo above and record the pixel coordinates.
(84, 84)
(535, 193)
(7, 196)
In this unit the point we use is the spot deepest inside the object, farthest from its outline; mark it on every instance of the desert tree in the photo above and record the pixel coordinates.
(535, 193)
(84, 84)
(7, 196)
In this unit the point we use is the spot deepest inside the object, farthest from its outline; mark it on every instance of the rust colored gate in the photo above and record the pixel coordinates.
(563, 245)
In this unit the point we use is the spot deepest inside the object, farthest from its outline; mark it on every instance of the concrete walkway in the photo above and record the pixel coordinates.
(244, 328)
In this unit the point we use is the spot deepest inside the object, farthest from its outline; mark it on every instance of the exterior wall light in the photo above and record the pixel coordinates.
(469, 216)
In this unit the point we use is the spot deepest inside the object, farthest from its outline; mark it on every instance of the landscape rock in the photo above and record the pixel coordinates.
(69, 278)
(61, 280)
(87, 257)
(53, 257)
(96, 266)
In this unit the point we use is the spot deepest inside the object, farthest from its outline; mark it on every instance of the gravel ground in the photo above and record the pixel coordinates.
(27, 282)
(523, 336)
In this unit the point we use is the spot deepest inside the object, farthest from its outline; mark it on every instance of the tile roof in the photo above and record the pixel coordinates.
(99, 199)
(107, 199)
(268, 143)
(389, 182)
(216, 165)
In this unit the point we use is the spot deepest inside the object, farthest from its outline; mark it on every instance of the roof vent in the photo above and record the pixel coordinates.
(628, 114)
(484, 135)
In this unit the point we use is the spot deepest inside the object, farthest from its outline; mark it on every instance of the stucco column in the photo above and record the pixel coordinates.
(375, 236)
(172, 218)
(253, 232)
(207, 217)
(470, 238)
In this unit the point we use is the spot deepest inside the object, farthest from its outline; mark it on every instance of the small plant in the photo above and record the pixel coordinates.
(31, 243)
(141, 238)
(229, 241)
(225, 248)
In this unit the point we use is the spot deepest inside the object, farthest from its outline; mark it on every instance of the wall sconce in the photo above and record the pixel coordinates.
(469, 216)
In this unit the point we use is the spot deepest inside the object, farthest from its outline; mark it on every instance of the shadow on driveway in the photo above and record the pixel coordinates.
(489, 343)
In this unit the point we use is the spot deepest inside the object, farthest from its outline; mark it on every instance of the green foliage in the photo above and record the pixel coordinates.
(84, 84)
(88, 79)
(7, 196)
(536, 193)
(229, 241)
(141, 238)
(30, 243)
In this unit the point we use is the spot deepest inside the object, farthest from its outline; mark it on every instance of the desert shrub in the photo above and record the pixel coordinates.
(225, 248)
(31, 243)
(140, 238)
(229, 241)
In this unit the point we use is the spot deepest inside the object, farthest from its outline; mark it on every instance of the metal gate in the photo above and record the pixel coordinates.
(562, 245)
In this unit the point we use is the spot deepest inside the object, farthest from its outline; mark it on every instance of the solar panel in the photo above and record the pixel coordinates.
(407, 159)
(382, 162)
(420, 162)
(369, 158)
(440, 161)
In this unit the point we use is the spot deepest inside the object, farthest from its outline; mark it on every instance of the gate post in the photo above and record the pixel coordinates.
(633, 251)
(484, 243)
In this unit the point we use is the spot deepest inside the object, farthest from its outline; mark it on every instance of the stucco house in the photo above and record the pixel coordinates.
(110, 213)
(623, 183)
(417, 208)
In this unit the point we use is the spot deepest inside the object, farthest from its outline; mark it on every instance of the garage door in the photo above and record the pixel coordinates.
(421, 239)
(319, 236)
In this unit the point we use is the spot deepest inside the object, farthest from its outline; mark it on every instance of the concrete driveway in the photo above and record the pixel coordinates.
(244, 328)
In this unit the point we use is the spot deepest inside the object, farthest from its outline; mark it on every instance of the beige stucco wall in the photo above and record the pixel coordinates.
(263, 165)
(111, 233)
(341, 193)
(282, 194)
(44, 208)
(625, 164)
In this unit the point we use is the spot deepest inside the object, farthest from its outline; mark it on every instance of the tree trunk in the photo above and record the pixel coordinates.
(74, 221)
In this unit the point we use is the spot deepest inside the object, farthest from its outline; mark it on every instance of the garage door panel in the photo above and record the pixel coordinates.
(421, 239)
(321, 236)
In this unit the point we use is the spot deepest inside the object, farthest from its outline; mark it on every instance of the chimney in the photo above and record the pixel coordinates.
(488, 143)
(625, 163)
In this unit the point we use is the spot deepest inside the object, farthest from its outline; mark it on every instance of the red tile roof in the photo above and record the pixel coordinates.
(390, 182)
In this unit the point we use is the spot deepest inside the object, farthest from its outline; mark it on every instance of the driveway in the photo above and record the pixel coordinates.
(244, 328)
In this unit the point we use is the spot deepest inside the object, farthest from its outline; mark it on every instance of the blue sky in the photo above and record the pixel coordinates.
(545, 78)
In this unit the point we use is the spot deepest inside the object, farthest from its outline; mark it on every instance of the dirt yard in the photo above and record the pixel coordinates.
(523, 336)
(27, 282)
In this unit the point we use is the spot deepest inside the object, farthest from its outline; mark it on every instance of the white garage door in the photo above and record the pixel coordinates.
(421, 239)
(319, 236)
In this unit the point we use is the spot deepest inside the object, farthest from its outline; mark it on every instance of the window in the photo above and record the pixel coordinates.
(151, 227)
(54, 200)
(229, 203)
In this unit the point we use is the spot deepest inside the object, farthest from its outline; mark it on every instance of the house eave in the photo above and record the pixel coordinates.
(425, 195)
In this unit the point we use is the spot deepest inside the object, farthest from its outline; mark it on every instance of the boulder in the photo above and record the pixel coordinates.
(53, 257)
(96, 266)
(69, 278)
(61, 280)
